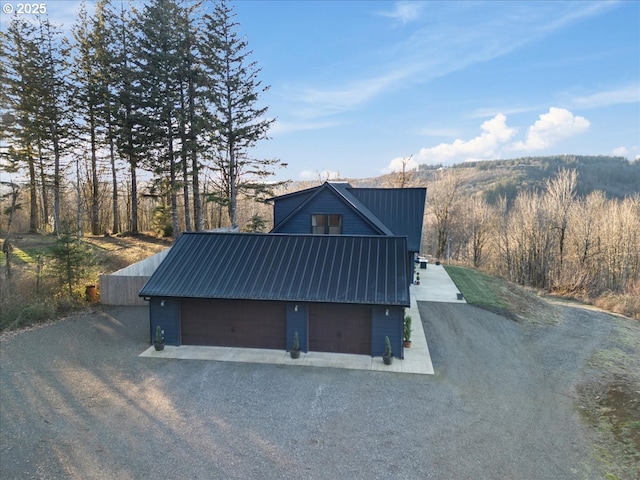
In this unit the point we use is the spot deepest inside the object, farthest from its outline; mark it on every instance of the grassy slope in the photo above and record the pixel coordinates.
(478, 289)
(499, 296)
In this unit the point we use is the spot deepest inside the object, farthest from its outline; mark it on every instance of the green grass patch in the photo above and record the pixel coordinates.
(478, 288)
(28, 255)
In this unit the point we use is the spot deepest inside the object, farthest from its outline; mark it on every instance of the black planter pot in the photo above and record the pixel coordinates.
(295, 353)
(158, 346)
(387, 359)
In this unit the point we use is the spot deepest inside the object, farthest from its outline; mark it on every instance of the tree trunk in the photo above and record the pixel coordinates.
(95, 207)
(44, 189)
(184, 163)
(33, 193)
(114, 181)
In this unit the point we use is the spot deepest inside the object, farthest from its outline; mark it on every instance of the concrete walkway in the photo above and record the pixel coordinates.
(435, 286)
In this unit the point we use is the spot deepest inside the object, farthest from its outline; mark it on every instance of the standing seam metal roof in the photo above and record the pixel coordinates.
(400, 209)
(311, 268)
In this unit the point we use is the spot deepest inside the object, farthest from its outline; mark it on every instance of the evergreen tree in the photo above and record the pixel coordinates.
(238, 122)
(88, 101)
(159, 50)
(196, 117)
(22, 129)
(127, 120)
(54, 110)
(105, 25)
(71, 257)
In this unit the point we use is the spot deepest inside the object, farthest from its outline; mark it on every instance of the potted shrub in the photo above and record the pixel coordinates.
(295, 350)
(407, 331)
(387, 357)
(158, 343)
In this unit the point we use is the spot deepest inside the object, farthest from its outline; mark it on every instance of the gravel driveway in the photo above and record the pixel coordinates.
(77, 402)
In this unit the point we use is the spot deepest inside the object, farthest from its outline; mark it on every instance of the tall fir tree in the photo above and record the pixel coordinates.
(127, 120)
(88, 102)
(159, 51)
(54, 111)
(24, 92)
(105, 24)
(239, 122)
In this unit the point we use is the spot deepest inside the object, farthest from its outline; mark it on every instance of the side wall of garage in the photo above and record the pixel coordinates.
(322, 327)
(387, 322)
(166, 313)
(298, 321)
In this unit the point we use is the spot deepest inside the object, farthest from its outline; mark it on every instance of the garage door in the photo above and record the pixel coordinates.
(340, 328)
(233, 323)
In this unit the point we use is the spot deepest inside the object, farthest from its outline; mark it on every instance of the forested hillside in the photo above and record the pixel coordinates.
(568, 224)
(615, 176)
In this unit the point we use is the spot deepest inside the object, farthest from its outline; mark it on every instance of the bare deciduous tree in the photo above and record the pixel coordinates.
(440, 203)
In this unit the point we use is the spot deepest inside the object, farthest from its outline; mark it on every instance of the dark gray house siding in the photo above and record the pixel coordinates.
(165, 311)
(387, 322)
(297, 321)
(326, 201)
(288, 203)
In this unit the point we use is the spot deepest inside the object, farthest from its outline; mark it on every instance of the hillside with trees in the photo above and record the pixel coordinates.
(616, 177)
(567, 225)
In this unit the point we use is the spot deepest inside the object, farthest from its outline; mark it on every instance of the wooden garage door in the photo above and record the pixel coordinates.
(233, 323)
(340, 328)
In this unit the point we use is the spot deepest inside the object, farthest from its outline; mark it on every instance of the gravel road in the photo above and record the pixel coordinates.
(77, 402)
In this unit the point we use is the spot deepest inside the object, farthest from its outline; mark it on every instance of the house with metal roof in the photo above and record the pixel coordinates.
(336, 269)
(339, 208)
(341, 293)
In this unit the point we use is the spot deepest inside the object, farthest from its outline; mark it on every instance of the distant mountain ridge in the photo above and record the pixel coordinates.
(615, 176)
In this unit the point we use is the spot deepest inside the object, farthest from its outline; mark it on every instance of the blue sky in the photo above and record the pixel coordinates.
(356, 85)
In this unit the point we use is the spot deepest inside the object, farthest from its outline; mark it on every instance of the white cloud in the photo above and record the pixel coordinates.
(323, 175)
(627, 94)
(552, 126)
(628, 153)
(404, 12)
(620, 152)
(486, 145)
(396, 165)
(498, 138)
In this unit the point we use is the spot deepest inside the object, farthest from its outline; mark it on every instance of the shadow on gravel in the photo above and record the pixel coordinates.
(77, 402)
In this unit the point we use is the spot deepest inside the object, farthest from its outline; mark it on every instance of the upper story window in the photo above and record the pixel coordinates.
(323, 224)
